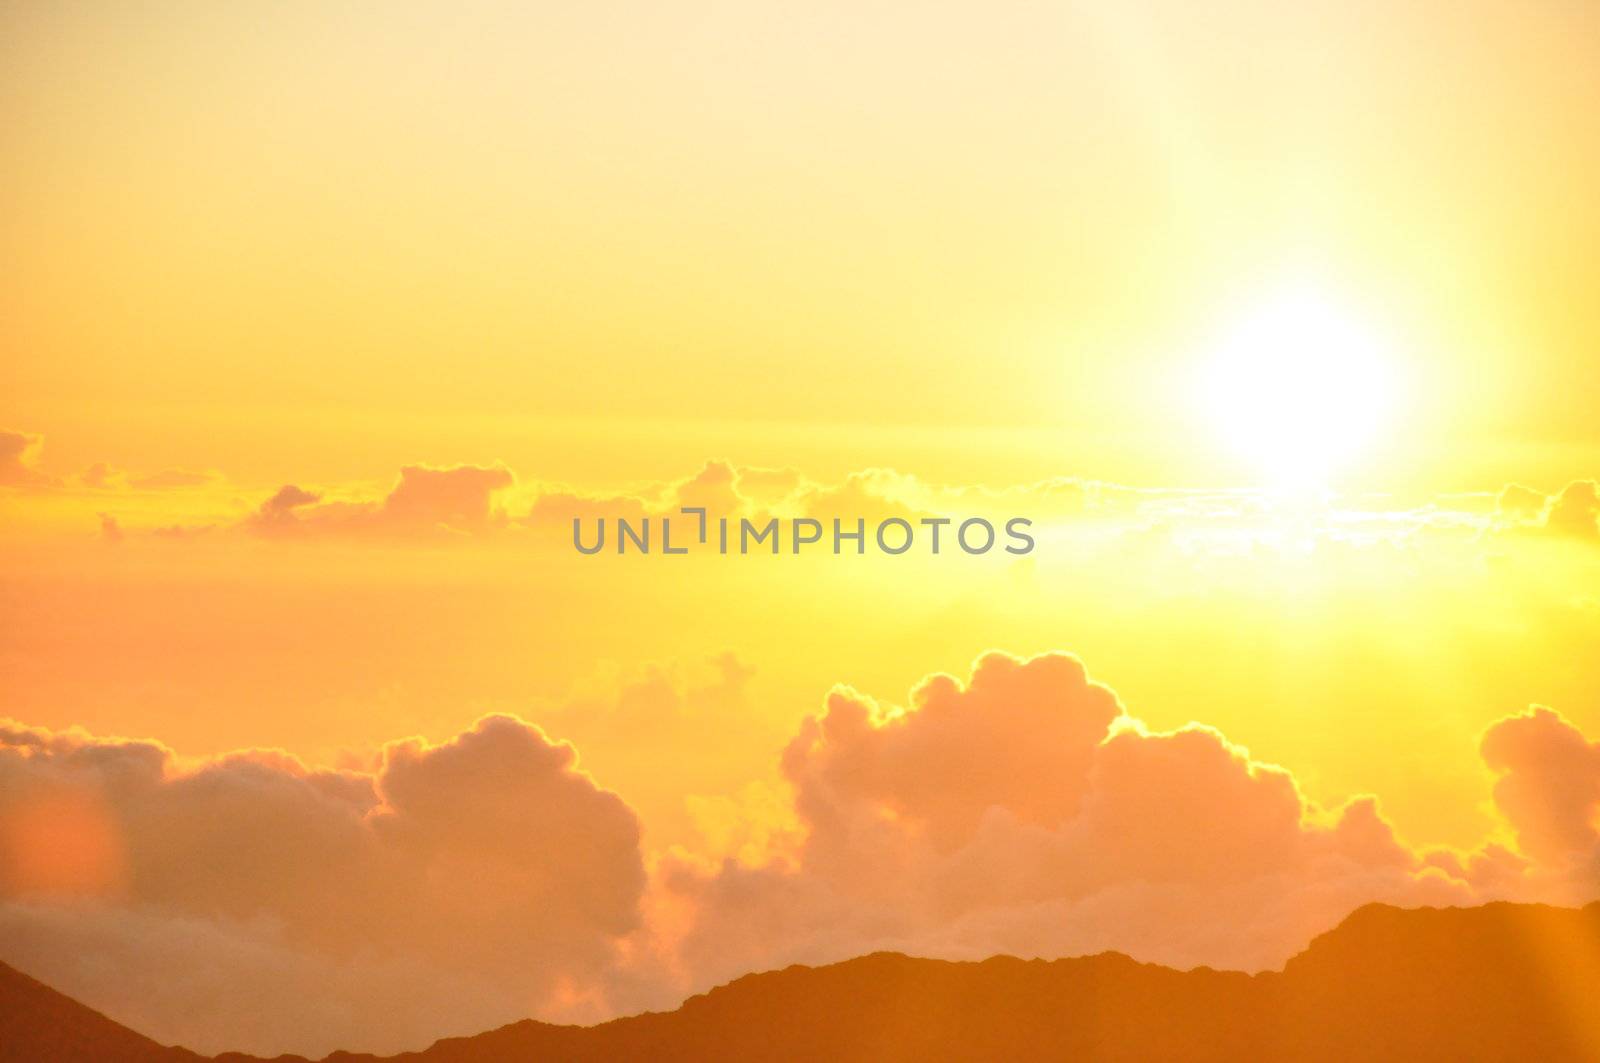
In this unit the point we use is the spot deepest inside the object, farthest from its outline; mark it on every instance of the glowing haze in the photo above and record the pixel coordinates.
(323, 323)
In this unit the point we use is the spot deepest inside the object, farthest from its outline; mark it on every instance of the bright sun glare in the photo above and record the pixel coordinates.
(1299, 388)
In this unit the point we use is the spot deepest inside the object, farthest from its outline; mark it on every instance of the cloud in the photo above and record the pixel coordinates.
(19, 451)
(767, 487)
(555, 511)
(460, 497)
(276, 516)
(872, 494)
(953, 756)
(1574, 511)
(212, 984)
(489, 859)
(101, 476)
(715, 488)
(509, 842)
(1520, 504)
(249, 900)
(1548, 787)
(470, 502)
(426, 501)
(1026, 812)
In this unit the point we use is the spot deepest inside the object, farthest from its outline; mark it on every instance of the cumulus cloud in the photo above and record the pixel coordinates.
(251, 901)
(1025, 811)
(486, 860)
(1548, 787)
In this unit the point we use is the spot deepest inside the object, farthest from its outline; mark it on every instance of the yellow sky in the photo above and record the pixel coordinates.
(605, 244)
(321, 321)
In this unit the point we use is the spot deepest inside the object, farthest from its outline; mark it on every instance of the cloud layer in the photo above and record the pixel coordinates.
(468, 502)
(489, 863)
(1026, 812)
(251, 901)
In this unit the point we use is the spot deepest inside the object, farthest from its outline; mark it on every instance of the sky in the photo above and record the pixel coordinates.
(612, 244)
(322, 323)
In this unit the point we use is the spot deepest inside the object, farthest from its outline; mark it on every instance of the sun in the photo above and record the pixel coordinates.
(1299, 388)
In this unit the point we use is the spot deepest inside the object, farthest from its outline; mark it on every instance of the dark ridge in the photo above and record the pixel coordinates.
(37, 1023)
(1499, 982)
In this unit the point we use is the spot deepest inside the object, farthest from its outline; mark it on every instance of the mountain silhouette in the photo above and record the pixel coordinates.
(37, 1023)
(1498, 982)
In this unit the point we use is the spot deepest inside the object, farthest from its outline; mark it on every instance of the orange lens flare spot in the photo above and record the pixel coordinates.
(62, 844)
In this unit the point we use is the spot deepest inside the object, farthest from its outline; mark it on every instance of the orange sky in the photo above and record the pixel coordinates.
(930, 260)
